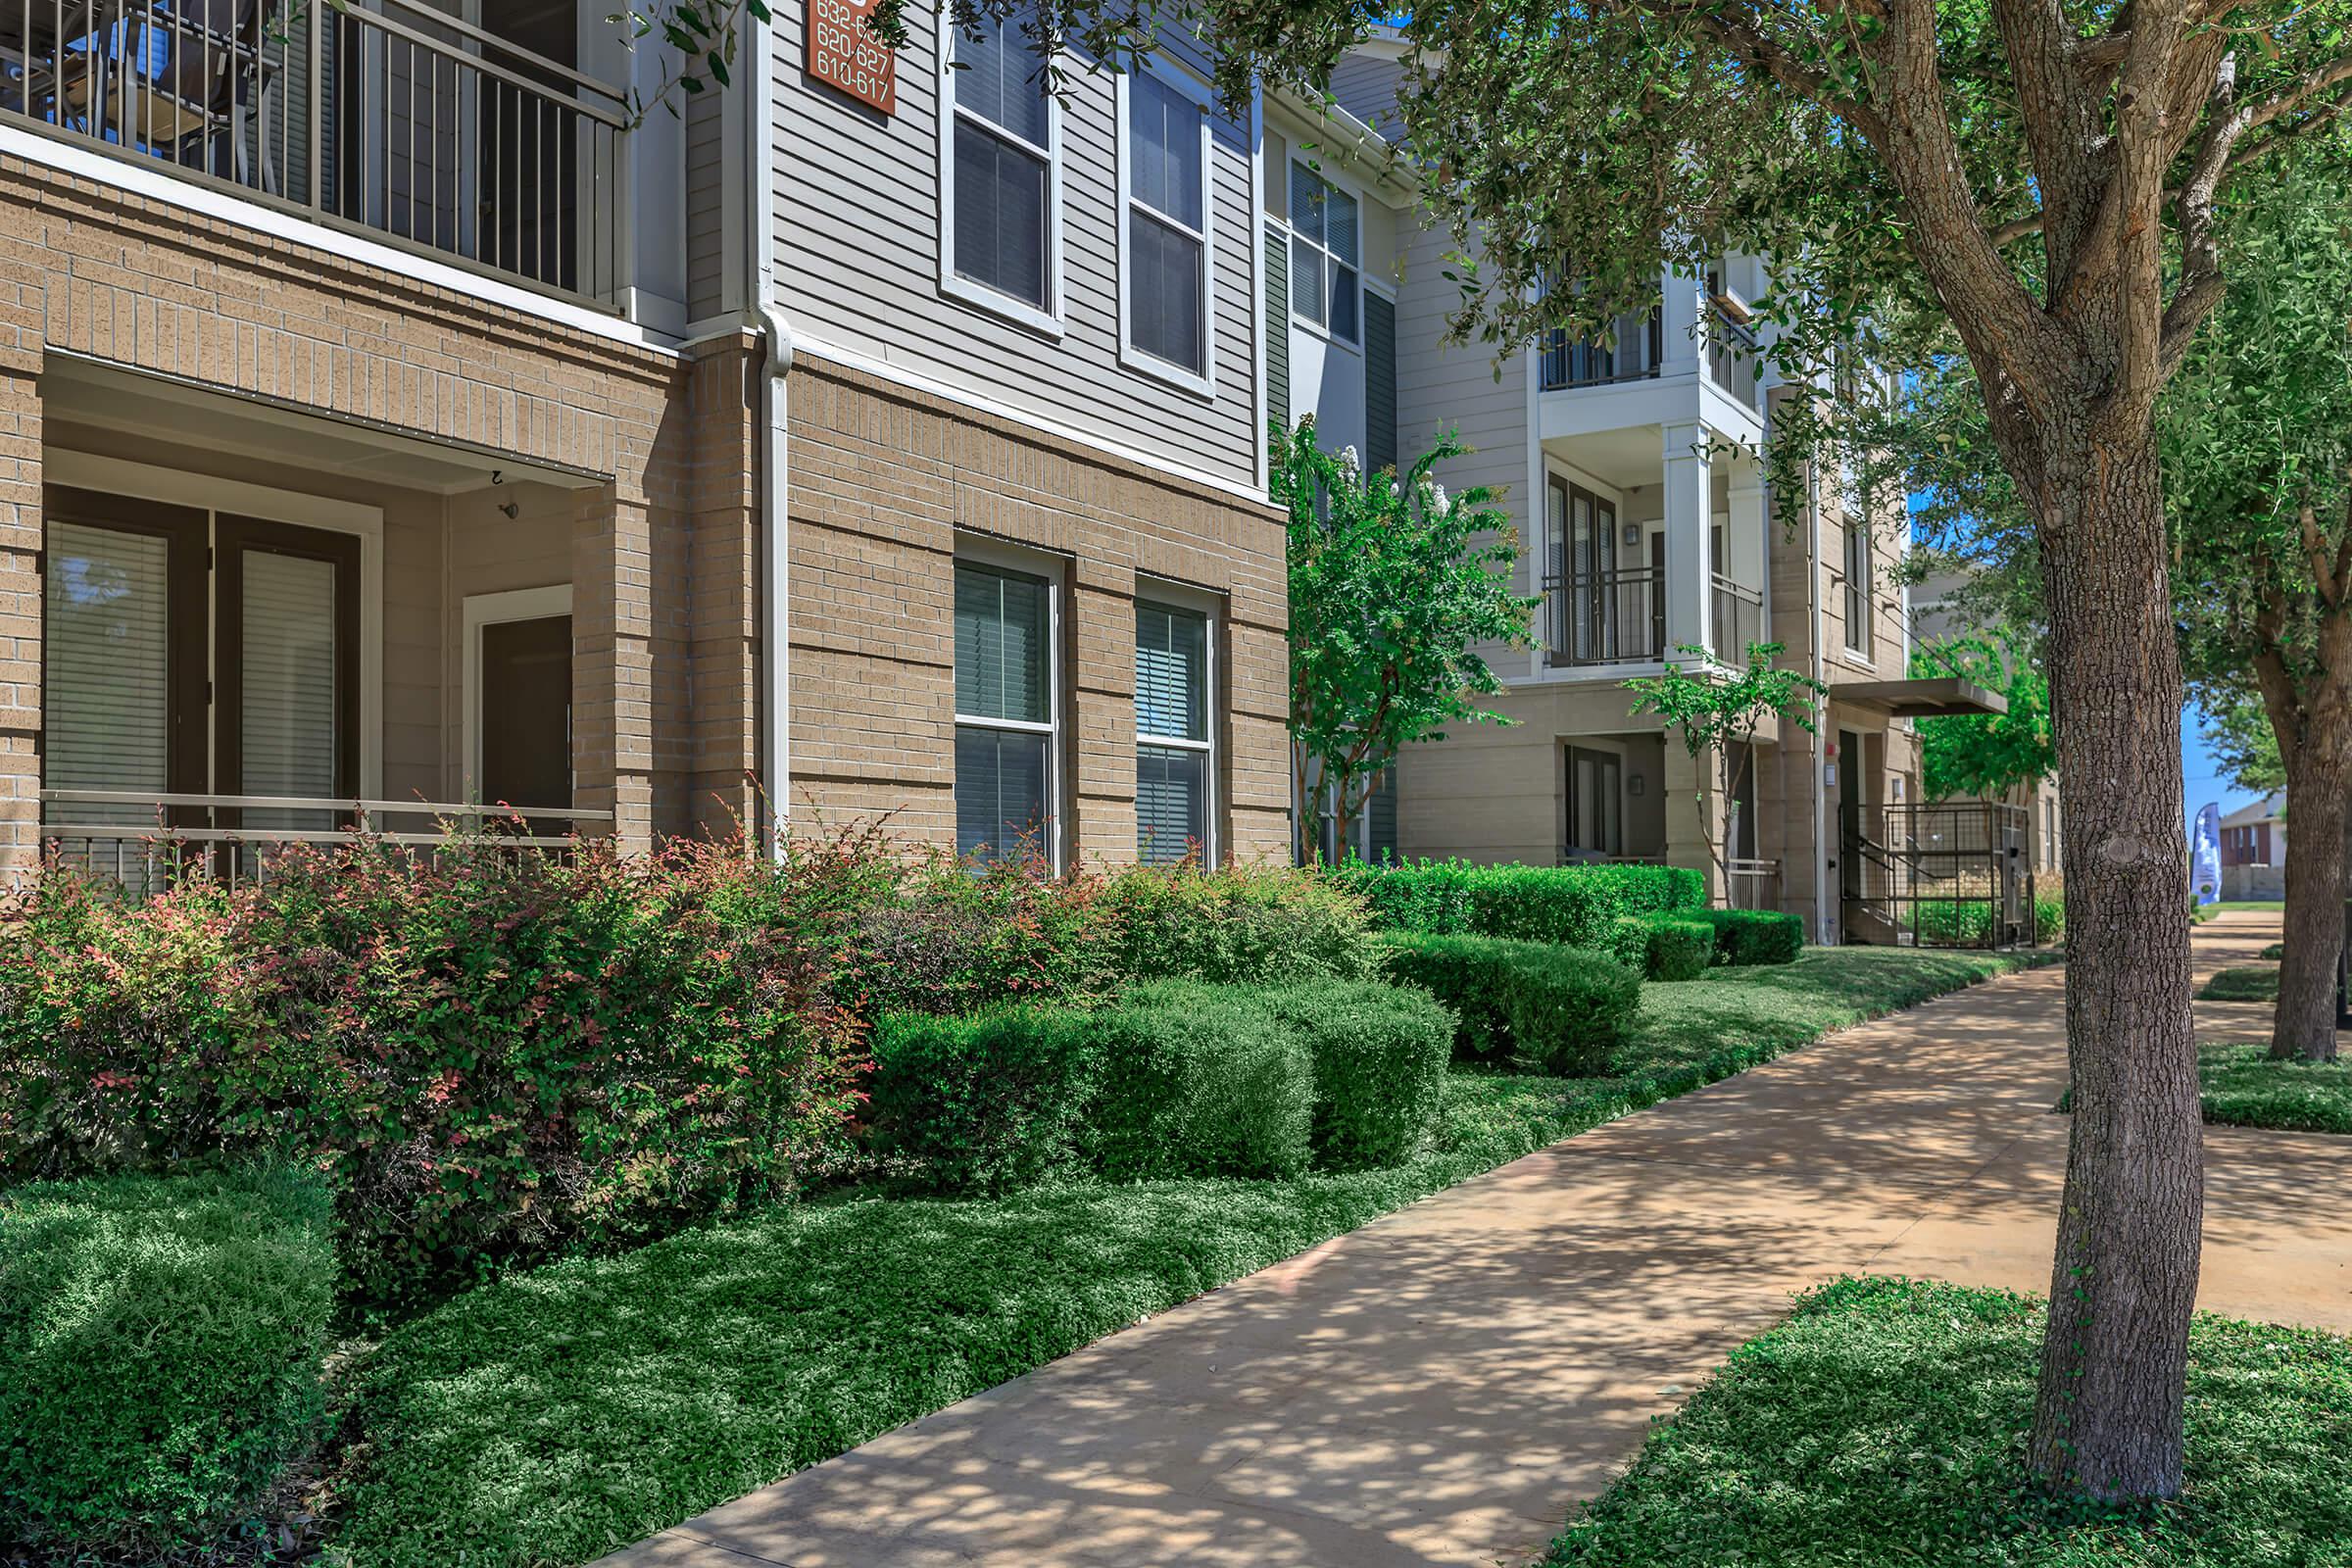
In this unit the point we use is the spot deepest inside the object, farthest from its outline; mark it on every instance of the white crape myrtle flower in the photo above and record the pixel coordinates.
(1351, 464)
(1436, 500)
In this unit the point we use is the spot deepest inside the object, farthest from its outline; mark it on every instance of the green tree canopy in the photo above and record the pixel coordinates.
(1986, 753)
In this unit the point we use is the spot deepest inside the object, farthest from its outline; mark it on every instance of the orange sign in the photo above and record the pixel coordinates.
(847, 57)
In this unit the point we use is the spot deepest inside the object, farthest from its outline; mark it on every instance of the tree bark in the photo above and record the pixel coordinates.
(2304, 1024)
(2108, 1419)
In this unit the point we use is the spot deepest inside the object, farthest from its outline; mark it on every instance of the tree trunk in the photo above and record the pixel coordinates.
(2304, 1025)
(2108, 1419)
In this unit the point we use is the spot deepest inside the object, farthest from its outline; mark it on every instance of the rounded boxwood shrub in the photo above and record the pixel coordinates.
(1380, 1054)
(1662, 947)
(987, 1102)
(1560, 1010)
(161, 1344)
(1755, 936)
(1198, 1080)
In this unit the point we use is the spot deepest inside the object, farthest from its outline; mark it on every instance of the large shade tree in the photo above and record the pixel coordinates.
(2046, 172)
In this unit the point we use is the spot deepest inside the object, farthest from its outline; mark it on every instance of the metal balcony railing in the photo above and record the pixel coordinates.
(144, 841)
(1606, 617)
(399, 120)
(1738, 620)
(1732, 362)
(1631, 353)
(1752, 884)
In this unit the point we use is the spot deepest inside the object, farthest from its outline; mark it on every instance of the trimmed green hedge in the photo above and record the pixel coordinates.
(1754, 936)
(1570, 905)
(1197, 1081)
(1663, 947)
(1380, 1054)
(1562, 1010)
(984, 1103)
(161, 1341)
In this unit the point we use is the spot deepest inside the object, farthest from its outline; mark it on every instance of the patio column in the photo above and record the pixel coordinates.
(1689, 570)
(20, 611)
(612, 664)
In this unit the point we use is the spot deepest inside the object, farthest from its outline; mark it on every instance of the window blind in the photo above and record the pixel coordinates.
(1171, 673)
(287, 731)
(1000, 808)
(107, 696)
(1163, 131)
(1000, 78)
(1000, 215)
(1001, 656)
(1167, 300)
(1171, 804)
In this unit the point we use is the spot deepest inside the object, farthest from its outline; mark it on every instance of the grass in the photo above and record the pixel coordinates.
(1883, 1423)
(2245, 982)
(2245, 1088)
(2206, 911)
(562, 1413)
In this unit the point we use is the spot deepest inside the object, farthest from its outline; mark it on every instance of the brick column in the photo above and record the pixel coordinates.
(19, 607)
(1101, 727)
(722, 529)
(611, 663)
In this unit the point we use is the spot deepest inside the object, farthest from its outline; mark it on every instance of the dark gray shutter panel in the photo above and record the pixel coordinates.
(1278, 327)
(1380, 382)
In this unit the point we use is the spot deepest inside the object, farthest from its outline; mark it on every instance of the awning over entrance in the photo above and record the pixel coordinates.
(1925, 697)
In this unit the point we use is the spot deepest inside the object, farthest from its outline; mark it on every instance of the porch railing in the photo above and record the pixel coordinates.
(1738, 620)
(1750, 884)
(146, 841)
(399, 120)
(1631, 353)
(1606, 617)
(1732, 356)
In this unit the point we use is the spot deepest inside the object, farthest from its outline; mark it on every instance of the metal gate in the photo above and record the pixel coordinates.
(1955, 875)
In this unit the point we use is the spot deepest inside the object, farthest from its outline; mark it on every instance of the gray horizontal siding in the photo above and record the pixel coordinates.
(1367, 89)
(857, 264)
(706, 193)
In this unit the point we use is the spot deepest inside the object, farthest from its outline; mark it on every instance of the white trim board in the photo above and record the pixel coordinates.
(477, 610)
(113, 476)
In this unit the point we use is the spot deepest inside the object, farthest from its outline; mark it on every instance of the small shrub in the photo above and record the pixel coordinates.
(2276, 951)
(160, 1344)
(1755, 936)
(1380, 1054)
(1571, 905)
(1678, 948)
(1242, 925)
(1562, 1010)
(495, 1057)
(988, 1102)
(1198, 1080)
(2250, 982)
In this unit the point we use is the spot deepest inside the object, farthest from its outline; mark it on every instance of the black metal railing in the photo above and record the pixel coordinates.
(399, 120)
(1606, 617)
(1953, 875)
(1732, 356)
(1736, 619)
(1630, 353)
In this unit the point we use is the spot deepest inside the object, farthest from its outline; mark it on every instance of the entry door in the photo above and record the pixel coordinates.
(285, 620)
(527, 712)
(1596, 813)
(1850, 810)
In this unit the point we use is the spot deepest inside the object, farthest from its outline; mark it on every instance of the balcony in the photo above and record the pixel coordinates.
(398, 122)
(1732, 363)
(1735, 619)
(1606, 617)
(1632, 352)
(143, 842)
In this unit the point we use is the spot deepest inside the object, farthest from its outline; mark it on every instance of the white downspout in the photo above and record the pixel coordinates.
(774, 724)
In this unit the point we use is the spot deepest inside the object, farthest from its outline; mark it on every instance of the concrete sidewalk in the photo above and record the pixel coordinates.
(1438, 1386)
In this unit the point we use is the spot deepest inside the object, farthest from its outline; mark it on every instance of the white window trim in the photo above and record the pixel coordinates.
(490, 610)
(85, 471)
(1290, 234)
(1133, 357)
(1197, 602)
(1052, 569)
(1047, 323)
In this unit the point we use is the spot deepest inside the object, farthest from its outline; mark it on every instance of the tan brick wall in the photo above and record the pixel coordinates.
(882, 479)
(656, 551)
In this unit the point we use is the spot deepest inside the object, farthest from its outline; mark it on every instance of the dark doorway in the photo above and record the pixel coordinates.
(527, 712)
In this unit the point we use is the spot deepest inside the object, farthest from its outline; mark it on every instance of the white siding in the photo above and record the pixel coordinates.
(857, 261)
(1366, 87)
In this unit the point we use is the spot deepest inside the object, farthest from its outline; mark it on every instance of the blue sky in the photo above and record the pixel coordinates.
(2200, 775)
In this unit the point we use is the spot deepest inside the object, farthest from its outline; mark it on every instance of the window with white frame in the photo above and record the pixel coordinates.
(1175, 760)
(1007, 712)
(1857, 586)
(1003, 172)
(1326, 255)
(1166, 270)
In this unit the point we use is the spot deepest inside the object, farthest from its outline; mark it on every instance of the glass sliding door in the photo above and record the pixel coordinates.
(1595, 805)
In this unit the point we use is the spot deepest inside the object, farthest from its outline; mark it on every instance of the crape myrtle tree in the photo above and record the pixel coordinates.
(1393, 584)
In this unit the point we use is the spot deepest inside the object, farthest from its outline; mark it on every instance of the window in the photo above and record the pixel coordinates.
(1174, 757)
(1596, 806)
(1166, 270)
(1325, 254)
(1857, 587)
(1005, 711)
(1001, 173)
